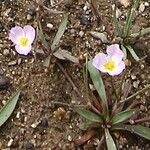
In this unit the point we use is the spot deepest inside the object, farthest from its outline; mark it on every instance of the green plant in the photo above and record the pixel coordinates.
(127, 38)
(99, 115)
(8, 108)
(55, 50)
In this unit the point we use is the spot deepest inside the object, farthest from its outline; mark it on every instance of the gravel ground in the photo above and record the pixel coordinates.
(37, 123)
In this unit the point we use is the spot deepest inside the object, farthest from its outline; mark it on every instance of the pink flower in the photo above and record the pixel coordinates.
(22, 38)
(111, 62)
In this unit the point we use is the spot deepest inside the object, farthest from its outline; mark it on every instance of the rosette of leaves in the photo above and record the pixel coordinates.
(124, 34)
(99, 117)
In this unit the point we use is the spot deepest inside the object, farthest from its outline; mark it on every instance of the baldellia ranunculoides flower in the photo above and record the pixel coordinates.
(22, 38)
(111, 62)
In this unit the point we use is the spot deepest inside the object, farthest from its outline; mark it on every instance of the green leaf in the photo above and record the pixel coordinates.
(109, 141)
(118, 29)
(88, 125)
(42, 37)
(124, 51)
(46, 62)
(59, 33)
(137, 129)
(98, 82)
(88, 114)
(130, 18)
(141, 33)
(7, 110)
(124, 115)
(147, 87)
(132, 52)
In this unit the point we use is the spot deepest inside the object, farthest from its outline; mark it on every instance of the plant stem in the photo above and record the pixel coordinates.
(113, 87)
(65, 104)
(142, 120)
(122, 81)
(70, 80)
(135, 94)
(100, 143)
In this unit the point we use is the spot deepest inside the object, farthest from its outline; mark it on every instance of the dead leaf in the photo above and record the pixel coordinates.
(87, 136)
(100, 36)
(65, 55)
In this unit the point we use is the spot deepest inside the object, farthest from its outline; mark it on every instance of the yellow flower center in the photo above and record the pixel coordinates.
(24, 41)
(110, 65)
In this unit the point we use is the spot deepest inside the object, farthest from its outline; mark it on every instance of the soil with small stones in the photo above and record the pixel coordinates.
(33, 125)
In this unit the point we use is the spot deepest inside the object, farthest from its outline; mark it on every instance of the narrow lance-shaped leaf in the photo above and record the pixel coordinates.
(7, 110)
(42, 37)
(59, 33)
(124, 115)
(98, 82)
(130, 17)
(88, 114)
(137, 129)
(118, 29)
(109, 141)
(124, 51)
(132, 52)
(141, 33)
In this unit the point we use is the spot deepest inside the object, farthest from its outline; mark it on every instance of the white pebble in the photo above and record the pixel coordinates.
(10, 142)
(49, 25)
(18, 115)
(146, 4)
(85, 8)
(136, 84)
(141, 8)
(3, 102)
(33, 125)
(133, 77)
(69, 138)
(81, 33)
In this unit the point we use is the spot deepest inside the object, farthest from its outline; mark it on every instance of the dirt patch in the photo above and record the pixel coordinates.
(33, 125)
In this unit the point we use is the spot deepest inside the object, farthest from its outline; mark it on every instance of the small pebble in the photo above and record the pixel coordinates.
(12, 63)
(72, 31)
(141, 8)
(18, 115)
(33, 125)
(125, 3)
(85, 19)
(85, 8)
(142, 108)
(3, 102)
(19, 61)
(10, 142)
(81, 33)
(68, 115)
(133, 77)
(69, 138)
(49, 25)
(29, 146)
(29, 17)
(1, 72)
(4, 82)
(44, 122)
(146, 4)
(32, 12)
(136, 84)
(6, 52)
